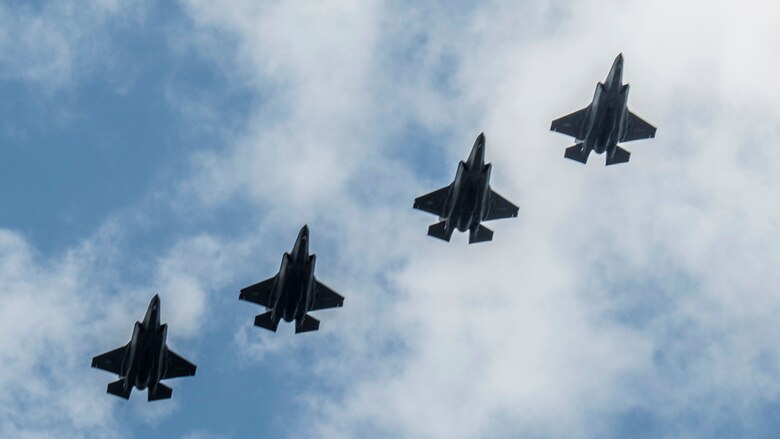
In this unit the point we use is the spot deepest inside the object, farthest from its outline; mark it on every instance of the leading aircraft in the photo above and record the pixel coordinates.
(293, 291)
(605, 122)
(145, 360)
(467, 201)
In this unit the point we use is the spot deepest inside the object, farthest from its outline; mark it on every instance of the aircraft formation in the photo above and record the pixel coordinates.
(463, 205)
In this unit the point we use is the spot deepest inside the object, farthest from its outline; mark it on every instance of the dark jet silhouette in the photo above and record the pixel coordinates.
(145, 360)
(293, 291)
(467, 201)
(605, 122)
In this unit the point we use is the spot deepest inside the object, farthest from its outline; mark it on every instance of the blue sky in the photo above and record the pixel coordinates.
(178, 147)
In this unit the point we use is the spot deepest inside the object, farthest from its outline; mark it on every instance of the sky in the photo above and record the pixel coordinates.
(177, 148)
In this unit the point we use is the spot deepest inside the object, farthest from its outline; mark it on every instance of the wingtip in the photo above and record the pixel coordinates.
(243, 294)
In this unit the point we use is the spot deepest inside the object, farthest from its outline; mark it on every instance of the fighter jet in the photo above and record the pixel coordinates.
(145, 360)
(293, 291)
(467, 201)
(605, 122)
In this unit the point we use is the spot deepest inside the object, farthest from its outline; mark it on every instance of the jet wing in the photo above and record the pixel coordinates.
(326, 298)
(570, 124)
(176, 366)
(111, 361)
(637, 129)
(259, 293)
(500, 207)
(433, 202)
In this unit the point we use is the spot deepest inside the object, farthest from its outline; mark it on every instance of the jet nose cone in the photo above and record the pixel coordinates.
(479, 144)
(477, 151)
(155, 303)
(303, 236)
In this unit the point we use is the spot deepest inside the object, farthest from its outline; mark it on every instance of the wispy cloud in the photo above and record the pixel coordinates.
(46, 338)
(204, 435)
(58, 311)
(54, 43)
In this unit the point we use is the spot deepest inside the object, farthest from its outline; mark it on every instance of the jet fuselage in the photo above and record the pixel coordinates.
(144, 361)
(468, 199)
(292, 292)
(294, 287)
(606, 115)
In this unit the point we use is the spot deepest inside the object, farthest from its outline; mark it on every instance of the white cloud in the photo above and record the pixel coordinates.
(48, 326)
(55, 42)
(188, 274)
(57, 312)
(203, 435)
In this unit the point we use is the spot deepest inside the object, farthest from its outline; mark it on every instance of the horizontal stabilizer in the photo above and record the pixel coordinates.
(439, 230)
(620, 156)
(577, 153)
(160, 391)
(118, 388)
(480, 234)
(265, 321)
(307, 324)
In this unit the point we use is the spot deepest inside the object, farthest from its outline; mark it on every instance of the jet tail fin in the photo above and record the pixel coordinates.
(265, 321)
(308, 323)
(577, 153)
(118, 388)
(620, 156)
(480, 234)
(439, 230)
(160, 391)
